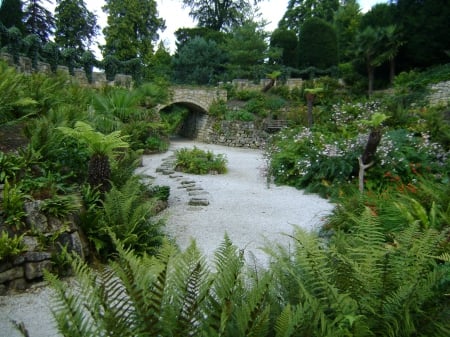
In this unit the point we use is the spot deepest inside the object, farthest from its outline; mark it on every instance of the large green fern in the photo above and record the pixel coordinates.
(170, 294)
(362, 283)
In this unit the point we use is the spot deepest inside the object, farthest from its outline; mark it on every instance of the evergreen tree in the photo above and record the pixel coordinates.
(11, 14)
(220, 15)
(38, 19)
(247, 50)
(183, 35)
(347, 22)
(199, 61)
(76, 26)
(298, 11)
(132, 29)
(287, 41)
(161, 64)
(318, 44)
(424, 25)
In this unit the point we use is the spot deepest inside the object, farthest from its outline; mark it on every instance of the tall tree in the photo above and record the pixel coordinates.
(318, 44)
(287, 41)
(298, 11)
(425, 28)
(220, 15)
(198, 61)
(247, 50)
(376, 46)
(132, 29)
(11, 14)
(76, 26)
(38, 19)
(347, 21)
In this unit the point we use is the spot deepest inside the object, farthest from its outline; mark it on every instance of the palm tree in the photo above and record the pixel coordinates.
(367, 48)
(392, 41)
(101, 147)
(376, 46)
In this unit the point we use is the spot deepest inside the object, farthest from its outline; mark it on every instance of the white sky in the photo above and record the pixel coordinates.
(176, 17)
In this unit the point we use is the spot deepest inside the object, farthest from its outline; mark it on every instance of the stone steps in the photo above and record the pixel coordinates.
(196, 193)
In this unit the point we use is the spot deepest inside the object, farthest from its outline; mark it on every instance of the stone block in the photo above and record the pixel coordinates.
(11, 274)
(34, 217)
(37, 256)
(73, 243)
(31, 243)
(18, 284)
(34, 270)
(198, 202)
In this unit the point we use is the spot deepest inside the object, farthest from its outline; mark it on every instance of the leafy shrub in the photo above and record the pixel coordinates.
(174, 118)
(13, 205)
(239, 115)
(218, 109)
(10, 166)
(60, 206)
(197, 161)
(126, 215)
(10, 246)
(321, 161)
(159, 192)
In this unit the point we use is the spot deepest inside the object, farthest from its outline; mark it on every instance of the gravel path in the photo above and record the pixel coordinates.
(239, 203)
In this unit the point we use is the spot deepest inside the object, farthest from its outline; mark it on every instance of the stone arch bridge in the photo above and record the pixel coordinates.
(199, 101)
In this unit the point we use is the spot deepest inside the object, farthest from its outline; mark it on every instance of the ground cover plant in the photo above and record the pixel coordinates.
(197, 161)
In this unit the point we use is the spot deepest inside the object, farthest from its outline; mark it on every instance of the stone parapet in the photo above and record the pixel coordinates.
(99, 78)
(440, 94)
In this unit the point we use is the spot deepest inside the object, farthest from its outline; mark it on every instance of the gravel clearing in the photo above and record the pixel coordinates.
(240, 203)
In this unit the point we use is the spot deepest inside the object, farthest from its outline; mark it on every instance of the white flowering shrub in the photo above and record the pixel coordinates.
(325, 159)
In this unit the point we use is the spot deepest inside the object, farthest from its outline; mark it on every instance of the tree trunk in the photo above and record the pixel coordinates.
(269, 85)
(371, 146)
(391, 70)
(99, 172)
(366, 160)
(310, 101)
(371, 75)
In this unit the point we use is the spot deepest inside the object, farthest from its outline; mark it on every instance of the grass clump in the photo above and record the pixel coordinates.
(197, 161)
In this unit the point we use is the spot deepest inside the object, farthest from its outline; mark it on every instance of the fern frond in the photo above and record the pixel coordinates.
(191, 287)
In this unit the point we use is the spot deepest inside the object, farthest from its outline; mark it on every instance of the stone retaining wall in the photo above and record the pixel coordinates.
(98, 78)
(440, 94)
(43, 241)
(232, 133)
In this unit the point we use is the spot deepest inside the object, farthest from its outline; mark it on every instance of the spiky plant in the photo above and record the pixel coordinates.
(172, 294)
(363, 284)
(101, 147)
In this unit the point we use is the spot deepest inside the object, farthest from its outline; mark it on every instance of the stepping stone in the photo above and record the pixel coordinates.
(190, 189)
(198, 202)
(187, 186)
(187, 182)
(196, 193)
(168, 172)
(175, 176)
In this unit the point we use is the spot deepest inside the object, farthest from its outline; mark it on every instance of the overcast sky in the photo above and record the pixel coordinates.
(175, 16)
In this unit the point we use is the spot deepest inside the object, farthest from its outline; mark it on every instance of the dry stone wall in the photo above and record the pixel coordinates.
(440, 94)
(98, 78)
(232, 133)
(43, 241)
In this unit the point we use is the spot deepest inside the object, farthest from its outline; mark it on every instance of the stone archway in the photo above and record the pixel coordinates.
(198, 101)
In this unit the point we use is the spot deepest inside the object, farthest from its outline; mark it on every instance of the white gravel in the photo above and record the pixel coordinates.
(241, 203)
